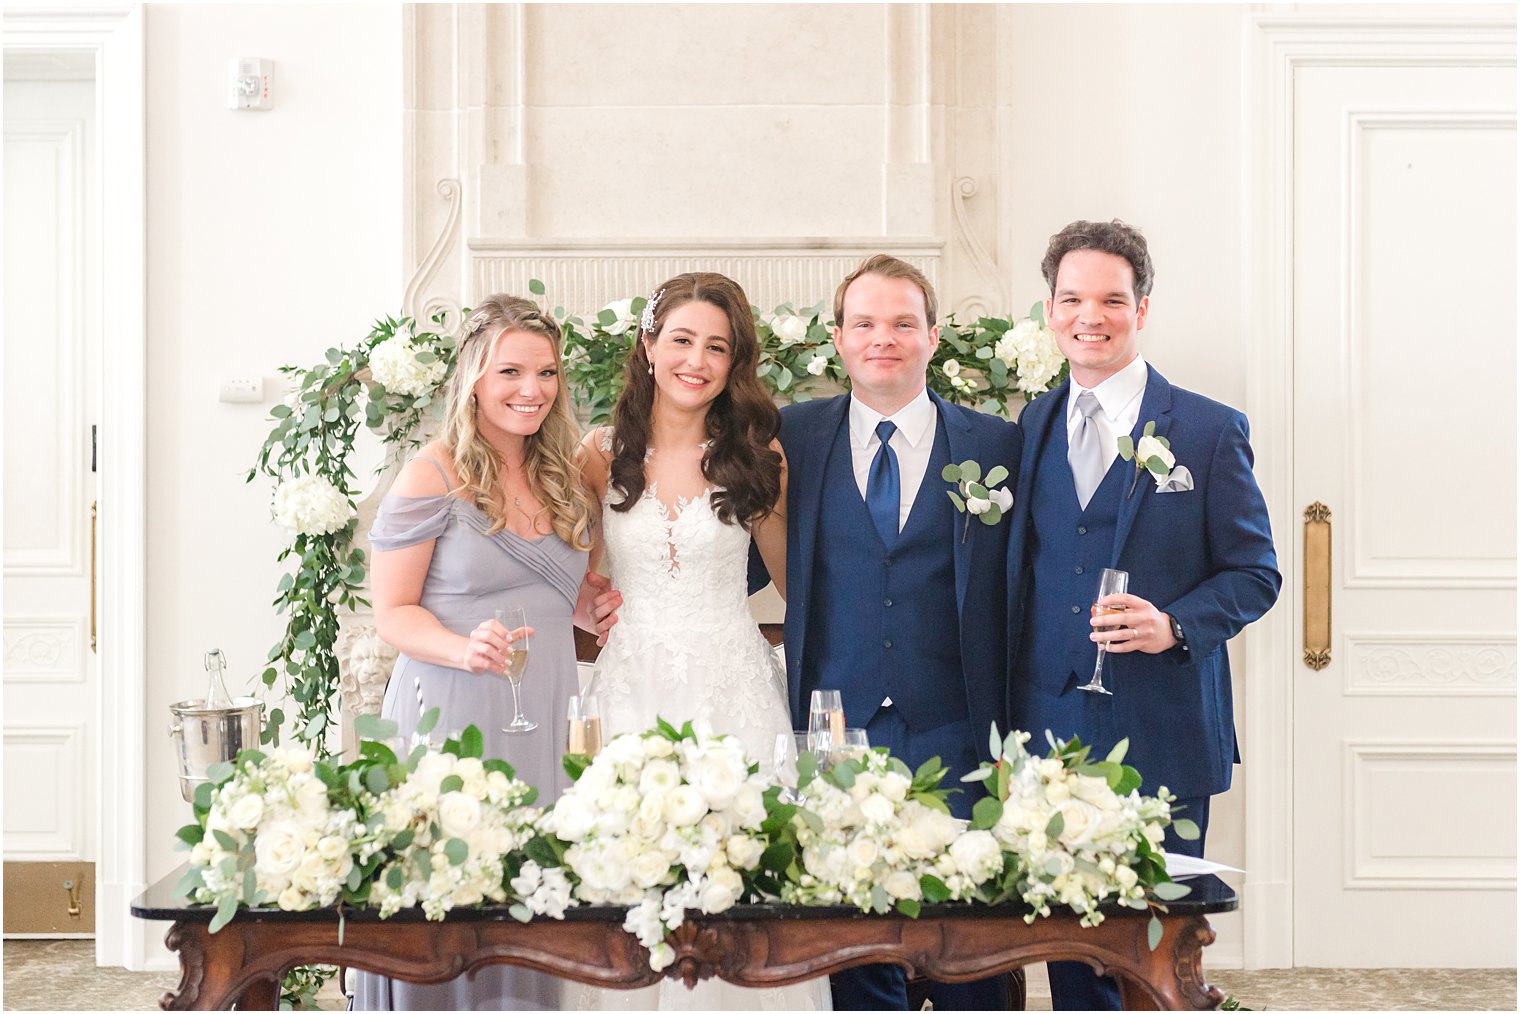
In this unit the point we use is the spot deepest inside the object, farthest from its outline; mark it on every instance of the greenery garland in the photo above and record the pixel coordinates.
(388, 380)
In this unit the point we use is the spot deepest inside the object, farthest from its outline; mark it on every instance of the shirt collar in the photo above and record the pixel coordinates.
(915, 420)
(1114, 394)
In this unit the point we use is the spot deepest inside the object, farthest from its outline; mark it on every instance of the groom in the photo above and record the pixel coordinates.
(885, 602)
(1196, 545)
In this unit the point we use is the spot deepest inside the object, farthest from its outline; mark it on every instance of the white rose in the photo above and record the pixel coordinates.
(817, 365)
(648, 868)
(612, 822)
(718, 823)
(311, 797)
(749, 805)
(862, 852)
(977, 505)
(877, 808)
(291, 899)
(951, 369)
(902, 884)
(658, 746)
(573, 819)
(894, 786)
(245, 813)
(278, 850)
(458, 813)
(397, 815)
(722, 889)
(977, 854)
(1002, 497)
(297, 760)
(1080, 820)
(432, 769)
(744, 851)
(684, 806)
(331, 847)
(788, 329)
(622, 309)
(1150, 447)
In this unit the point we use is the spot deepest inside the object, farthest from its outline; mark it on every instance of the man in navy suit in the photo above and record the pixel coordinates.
(1195, 542)
(885, 603)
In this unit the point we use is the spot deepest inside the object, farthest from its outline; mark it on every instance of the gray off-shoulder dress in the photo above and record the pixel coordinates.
(471, 575)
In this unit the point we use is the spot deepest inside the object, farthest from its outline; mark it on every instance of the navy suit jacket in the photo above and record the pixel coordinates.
(1205, 556)
(808, 430)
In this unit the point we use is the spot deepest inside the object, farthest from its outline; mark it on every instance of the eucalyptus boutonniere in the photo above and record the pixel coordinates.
(974, 495)
(1153, 454)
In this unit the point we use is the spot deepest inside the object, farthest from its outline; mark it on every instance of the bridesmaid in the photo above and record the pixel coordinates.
(490, 514)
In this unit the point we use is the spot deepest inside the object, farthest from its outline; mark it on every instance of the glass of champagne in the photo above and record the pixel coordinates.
(1113, 582)
(584, 725)
(825, 721)
(517, 662)
(853, 746)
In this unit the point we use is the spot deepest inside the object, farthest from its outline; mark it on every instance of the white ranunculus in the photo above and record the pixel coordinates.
(902, 884)
(789, 329)
(977, 505)
(749, 805)
(278, 850)
(648, 868)
(395, 366)
(659, 776)
(1149, 447)
(684, 806)
(245, 813)
(744, 851)
(311, 505)
(1002, 497)
(817, 365)
(458, 813)
(573, 819)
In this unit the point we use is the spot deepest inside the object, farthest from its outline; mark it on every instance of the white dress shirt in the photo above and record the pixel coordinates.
(1119, 400)
(913, 443)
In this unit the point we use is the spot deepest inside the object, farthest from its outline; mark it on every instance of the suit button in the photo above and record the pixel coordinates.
(1079, 570)
(1081, 529)
(886, 644)
(887, 603)
(1076, 609)
(888, 561)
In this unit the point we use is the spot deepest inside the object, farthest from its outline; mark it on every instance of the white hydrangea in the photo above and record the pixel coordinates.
(1030, 352)
(395, 366)
(311, 505)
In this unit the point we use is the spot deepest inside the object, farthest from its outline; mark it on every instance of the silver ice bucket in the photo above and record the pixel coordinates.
(205, 736)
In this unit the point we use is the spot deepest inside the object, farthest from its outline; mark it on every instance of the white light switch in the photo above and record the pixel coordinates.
(250, 83)
(243, 390)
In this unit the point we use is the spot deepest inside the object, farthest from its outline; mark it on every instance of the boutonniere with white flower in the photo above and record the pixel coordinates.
(975, 495)
(1153, 454)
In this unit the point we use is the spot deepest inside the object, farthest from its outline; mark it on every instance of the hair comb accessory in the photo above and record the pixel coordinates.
(646, 319)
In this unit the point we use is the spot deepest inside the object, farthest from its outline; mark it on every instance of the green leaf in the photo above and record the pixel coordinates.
(960, 504)
(1126, 447)
(1156, 466)
(997, 475)
(521, 912)
(471, 742)
(203, 795)
(1056, 826)
(456, 850)
(225, 840)
(951, 473)
(986, 813)
(977, 490)
(970, 471)
(376, 780)
(994, 741)
(1169, 890)
(219, 772)
(991, 516)
(1185, 829)
(191, 834)
(394, 878)
(1150, 428)
(811, 819)
(453, 783)
(375, 727)
(224, 913)
(908, 907)
(403, 839)
(1153, 933)
(575, 765)
(778, 857)
(191, 881)
(536, 287)
(934, 889)
(1116, 755)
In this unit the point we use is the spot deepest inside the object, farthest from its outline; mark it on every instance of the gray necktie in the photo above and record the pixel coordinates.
(1086, 457)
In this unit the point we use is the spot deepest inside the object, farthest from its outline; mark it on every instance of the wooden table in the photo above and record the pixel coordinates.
(750, 945)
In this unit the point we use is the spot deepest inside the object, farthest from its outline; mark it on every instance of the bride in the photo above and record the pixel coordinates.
(689, 471)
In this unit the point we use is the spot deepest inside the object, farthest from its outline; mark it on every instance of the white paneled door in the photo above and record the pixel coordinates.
(1403, 318)
(50, 725)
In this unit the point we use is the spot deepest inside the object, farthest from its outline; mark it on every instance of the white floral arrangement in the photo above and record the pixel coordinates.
(664, 822)
(311, 505)
(1078, 833)
(403, 365)
(873, 835)
(448, 827)
(268, 833)
(1029, 352)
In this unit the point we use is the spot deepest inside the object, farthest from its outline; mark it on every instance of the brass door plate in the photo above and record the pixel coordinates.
(40, 898)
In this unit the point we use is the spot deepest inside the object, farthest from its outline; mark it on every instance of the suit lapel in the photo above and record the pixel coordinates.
(807, 482)
(1155, 405)
(962, 446)
(1036, 419)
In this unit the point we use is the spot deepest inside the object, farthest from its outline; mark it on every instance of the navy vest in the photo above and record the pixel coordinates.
(1069, 547)
(886, 625)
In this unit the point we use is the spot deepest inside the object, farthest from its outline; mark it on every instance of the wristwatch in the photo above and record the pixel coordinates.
(1177, 633)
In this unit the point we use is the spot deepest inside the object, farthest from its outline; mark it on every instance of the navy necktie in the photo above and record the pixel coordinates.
(883, 488)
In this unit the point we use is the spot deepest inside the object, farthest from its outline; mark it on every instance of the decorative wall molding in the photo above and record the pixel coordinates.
(1379, 853)
(973, 306)
(53, 791)
(417, 288)
(583, 276)
(1412, 664)
(44, 649)
(1366, 568)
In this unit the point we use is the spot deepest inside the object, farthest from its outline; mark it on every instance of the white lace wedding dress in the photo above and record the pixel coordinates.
(686, 647)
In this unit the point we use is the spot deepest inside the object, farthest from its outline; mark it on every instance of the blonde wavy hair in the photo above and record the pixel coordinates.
(550, 460)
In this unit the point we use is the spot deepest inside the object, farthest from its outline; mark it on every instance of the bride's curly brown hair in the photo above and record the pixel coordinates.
(742, 421)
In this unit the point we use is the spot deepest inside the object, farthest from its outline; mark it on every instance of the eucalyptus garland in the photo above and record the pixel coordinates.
(388, 381)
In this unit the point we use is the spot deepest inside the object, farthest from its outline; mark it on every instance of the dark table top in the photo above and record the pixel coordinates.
(1209, 895)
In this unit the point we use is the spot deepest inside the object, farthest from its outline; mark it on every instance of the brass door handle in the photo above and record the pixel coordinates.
(94, 567)
(1316, 586)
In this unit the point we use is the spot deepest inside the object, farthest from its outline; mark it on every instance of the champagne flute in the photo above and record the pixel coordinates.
(825, 721)
(1113, 582)
(512, 618)
(853, 746)
(584, 725)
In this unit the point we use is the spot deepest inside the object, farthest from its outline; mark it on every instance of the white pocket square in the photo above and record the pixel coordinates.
(1179, 480)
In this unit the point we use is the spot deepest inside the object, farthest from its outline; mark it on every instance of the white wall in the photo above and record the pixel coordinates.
(271, 236)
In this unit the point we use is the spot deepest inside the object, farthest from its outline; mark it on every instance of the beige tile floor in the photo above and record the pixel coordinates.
(61, 975)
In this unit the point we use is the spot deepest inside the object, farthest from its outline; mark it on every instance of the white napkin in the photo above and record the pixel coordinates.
(1178, 866)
